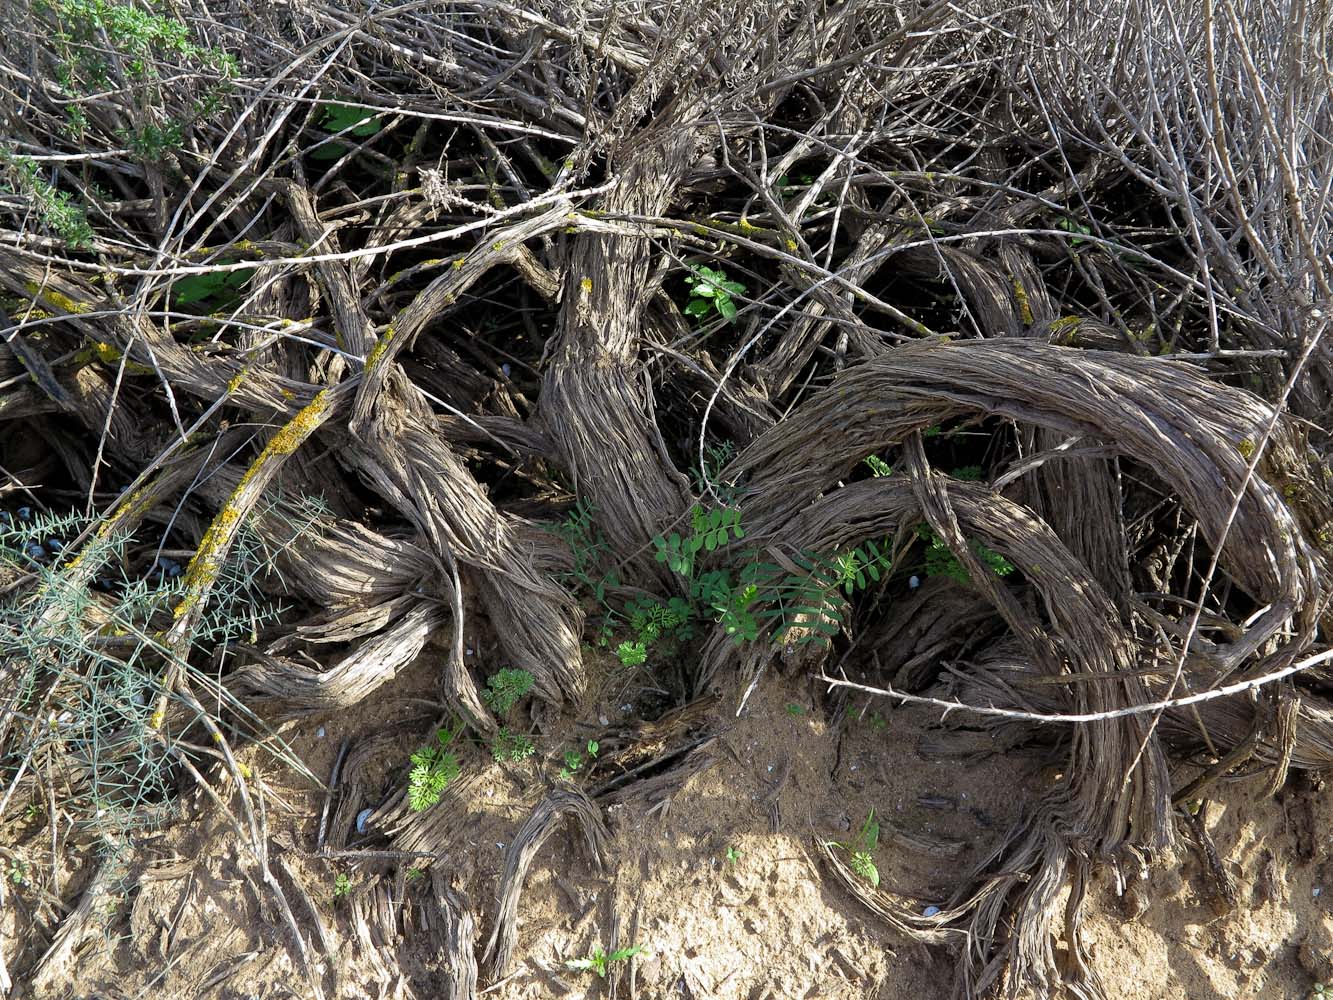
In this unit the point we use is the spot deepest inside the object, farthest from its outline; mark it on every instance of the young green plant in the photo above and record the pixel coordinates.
(711, 291)
(599, 961)
(433, 767)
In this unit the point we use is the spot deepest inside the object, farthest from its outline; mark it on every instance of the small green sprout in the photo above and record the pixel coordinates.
(342, 886)
(575, 759)
(598, 960)
(511, 747)
(862, 850)
(711, 291)
(733, 854)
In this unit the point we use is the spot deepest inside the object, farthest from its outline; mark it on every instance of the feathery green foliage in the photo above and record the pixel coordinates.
(510, 747)
(91, 658)
(433, 767)
(505, 688)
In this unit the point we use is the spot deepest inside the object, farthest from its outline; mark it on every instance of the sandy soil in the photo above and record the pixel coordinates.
(721, 882)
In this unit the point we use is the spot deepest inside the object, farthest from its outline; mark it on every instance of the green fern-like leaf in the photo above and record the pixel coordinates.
(433, 768)
(511, 747)
(864, 865)
(505, 688)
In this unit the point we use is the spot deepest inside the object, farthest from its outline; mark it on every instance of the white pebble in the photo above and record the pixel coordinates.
(361, 818)
(1317, 891)
(914, 582)
(320, 732)
(468, 651)
(603, 720)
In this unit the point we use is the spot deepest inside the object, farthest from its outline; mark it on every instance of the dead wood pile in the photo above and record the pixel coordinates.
(428, 263)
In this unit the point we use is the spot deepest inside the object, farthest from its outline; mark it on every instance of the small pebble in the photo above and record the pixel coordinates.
(603, 720)
(914, 582)
(468, 650)
(505, 368)
(361, 818)
(930, 911)
(320, 732)
(1317, 891)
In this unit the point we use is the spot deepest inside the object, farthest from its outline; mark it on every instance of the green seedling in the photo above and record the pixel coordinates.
(795, 709)
(862, 850)
(598, 960)
(575, 759)
(433, 767)
(510, 747)
(710, 291)
(733, 855)
(342, 886)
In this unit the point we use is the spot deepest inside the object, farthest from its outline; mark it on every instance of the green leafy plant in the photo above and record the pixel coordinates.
(940, 560)
(862, 850)
(214, 289)
(18, 871)
(590, 548)
(356, 122)
(711, 529)
(575, 759)
(711, 291)
(650, 621)
(505, 688)
(794, 709)
(733, 854)
(102, 44)
(433, 767)
(56, 210)
(510, 747)
(599, 961)
(346, 121)
(416, 874)
(342, 886)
